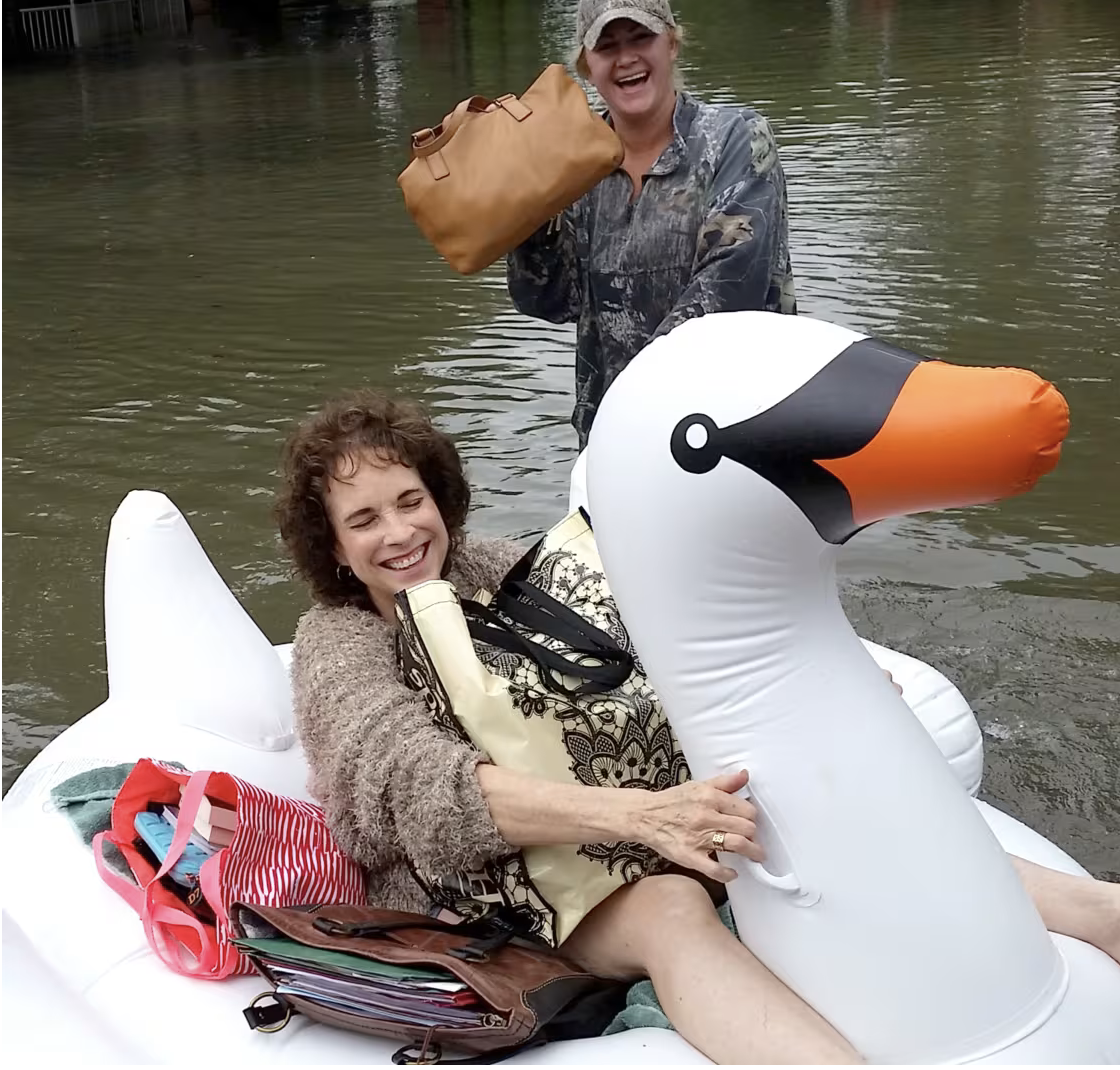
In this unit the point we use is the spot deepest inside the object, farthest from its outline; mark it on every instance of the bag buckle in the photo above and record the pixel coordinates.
(426, 1053)
(470, 953)
(479, 950)
(330, 927)
(513, 106)
(268, 1019)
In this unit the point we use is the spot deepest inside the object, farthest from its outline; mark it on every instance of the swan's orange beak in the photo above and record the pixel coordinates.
(880, 432)
(955, 436)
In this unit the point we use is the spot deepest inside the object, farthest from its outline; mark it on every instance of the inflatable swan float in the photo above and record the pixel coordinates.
(191, 678)
(726, 466)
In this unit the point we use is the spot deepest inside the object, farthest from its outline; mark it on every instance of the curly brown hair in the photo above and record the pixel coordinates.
(395, 429)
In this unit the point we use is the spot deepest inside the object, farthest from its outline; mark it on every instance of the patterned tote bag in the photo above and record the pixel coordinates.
(543, 678)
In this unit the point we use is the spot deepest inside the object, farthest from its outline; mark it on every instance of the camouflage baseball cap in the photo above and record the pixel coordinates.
(593, 16)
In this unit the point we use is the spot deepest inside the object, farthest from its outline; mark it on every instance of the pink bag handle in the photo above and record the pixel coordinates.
(138, 898)
(158, 919)
(157, 916)
(131, 893)
(193, 794)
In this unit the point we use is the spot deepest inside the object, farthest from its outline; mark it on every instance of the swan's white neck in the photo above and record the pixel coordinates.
(748, 647)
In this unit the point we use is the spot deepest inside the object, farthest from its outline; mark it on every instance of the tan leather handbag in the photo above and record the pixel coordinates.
(494, 171)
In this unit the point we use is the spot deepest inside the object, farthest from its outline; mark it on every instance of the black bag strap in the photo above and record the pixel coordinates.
(535, 608)
(488, 936)
(577, 634)
(524, 566)
(600, 669)
(526, 604)
(330, 927)
(596, 658)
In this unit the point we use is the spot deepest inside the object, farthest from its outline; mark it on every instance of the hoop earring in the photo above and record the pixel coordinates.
(344, 573)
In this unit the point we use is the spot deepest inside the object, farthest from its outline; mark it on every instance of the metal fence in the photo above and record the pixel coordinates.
(48, 29)
(64, 27)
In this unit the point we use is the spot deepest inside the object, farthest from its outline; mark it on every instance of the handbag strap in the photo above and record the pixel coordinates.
(487, 937)
(428, 1053)
(331, 927)
(486, 626)
(184, 824)
(428, 144)
(529, 605)
(159, 919)
(159, 922)
(606, 670)
(433, 138)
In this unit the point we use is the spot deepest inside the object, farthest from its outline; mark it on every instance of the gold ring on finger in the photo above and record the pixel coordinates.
(718, 839)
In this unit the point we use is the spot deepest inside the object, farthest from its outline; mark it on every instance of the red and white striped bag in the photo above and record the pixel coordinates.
(282, 854)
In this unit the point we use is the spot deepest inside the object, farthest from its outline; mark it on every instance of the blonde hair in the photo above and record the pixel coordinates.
(676, 35)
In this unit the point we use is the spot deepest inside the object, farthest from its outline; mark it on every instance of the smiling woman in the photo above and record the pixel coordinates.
(373, 501)
(694, 221)
(634, 68)
(390, 534)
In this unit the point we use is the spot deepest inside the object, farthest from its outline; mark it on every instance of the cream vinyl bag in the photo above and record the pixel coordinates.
(542, 677)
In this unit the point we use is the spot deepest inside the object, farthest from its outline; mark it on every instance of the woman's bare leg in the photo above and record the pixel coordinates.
(1081, 907)
(718, 996)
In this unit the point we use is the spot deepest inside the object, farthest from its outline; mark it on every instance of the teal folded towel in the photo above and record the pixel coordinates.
(643, 1010)
(86, 799)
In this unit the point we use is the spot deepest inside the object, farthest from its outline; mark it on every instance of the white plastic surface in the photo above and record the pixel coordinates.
(936, 702)
(74, 952)
(80, 954)
(44, 1021)
(172, 627)
(730, 597)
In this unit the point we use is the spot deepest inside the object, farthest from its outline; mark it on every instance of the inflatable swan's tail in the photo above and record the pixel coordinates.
(178, 644)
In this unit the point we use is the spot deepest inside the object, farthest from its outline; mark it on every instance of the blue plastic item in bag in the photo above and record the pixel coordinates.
(157, 832)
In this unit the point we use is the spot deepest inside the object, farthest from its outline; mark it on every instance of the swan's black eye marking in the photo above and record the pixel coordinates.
(835, 414)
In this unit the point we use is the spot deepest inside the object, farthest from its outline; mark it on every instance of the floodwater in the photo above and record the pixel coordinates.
(203, 238)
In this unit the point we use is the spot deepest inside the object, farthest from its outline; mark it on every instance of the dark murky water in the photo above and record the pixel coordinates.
(203, 239)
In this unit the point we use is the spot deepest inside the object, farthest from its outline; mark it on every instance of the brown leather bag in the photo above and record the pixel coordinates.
(526, 994)
(494, 171)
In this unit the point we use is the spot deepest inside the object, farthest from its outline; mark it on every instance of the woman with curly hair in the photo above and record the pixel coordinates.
(374, 501)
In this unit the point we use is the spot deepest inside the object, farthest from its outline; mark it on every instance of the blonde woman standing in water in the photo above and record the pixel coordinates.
(694, 220)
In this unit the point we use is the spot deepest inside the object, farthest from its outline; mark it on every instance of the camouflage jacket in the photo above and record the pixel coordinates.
(709, 233)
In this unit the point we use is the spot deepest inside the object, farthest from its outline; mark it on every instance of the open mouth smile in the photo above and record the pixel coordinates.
(407, 561)
(632, 81)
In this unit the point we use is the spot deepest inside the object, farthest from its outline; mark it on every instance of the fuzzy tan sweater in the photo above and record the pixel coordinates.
(396, 790)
